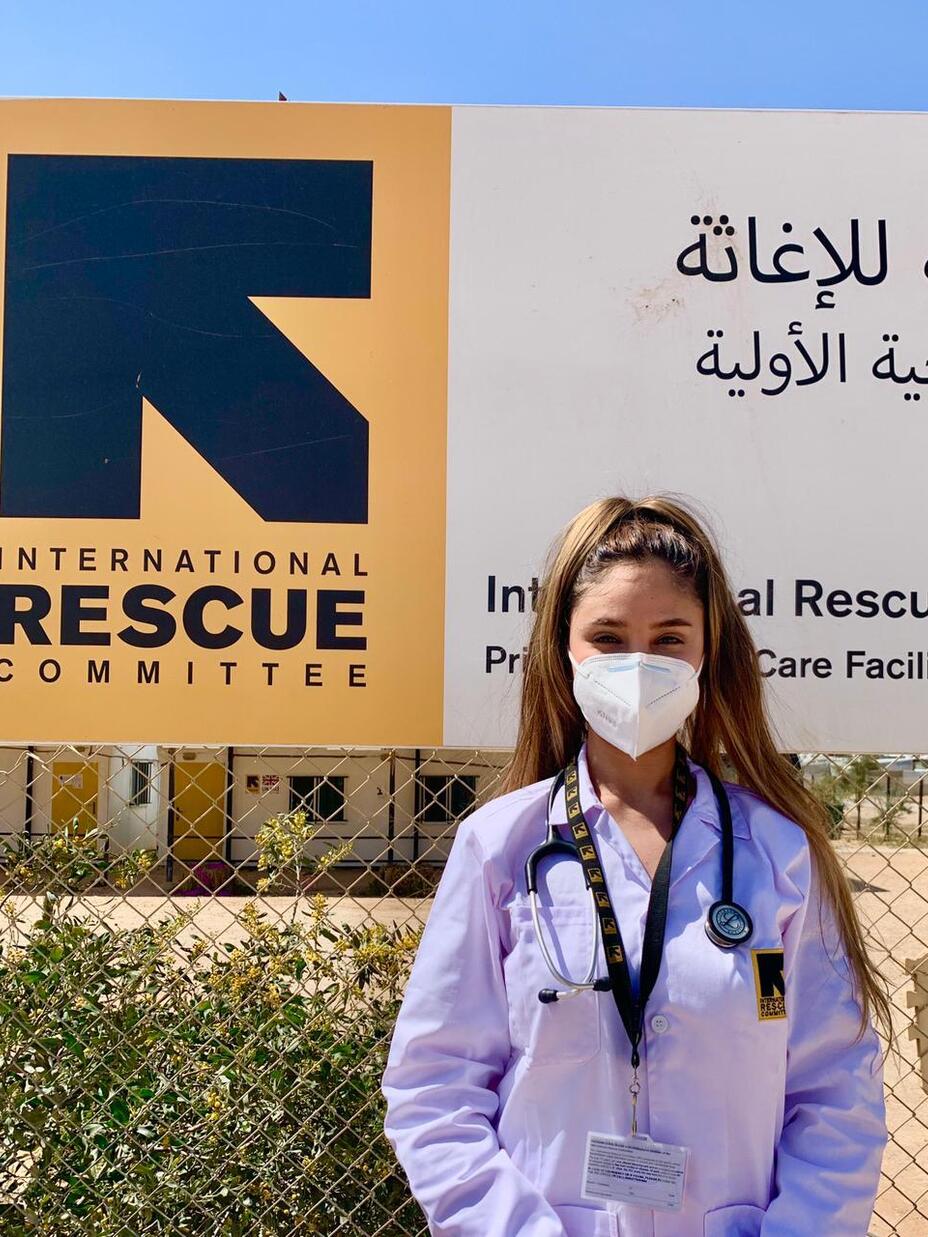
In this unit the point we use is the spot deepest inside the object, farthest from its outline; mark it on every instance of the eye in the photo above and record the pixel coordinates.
(672, 639)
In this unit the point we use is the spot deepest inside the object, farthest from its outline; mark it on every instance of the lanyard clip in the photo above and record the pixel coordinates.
(633, 1090)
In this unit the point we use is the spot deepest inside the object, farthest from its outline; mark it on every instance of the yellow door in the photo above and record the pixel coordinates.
(199, 809)
(75, 784)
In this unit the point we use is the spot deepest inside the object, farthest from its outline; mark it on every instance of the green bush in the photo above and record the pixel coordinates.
(831, 791)
(147, 1087)
(70, 859)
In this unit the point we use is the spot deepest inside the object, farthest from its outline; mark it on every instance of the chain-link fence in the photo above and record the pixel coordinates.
(202, 954)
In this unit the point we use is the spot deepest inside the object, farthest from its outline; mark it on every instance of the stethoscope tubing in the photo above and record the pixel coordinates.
(549, 961)
(554, 843)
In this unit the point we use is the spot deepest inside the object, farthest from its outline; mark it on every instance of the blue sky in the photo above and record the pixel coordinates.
(728, 53)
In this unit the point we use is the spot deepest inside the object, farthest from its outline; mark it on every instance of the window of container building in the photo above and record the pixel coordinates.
(140, 787)
(322, 797)
(445, 797)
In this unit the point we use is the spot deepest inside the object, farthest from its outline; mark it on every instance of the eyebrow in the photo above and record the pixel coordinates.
(672, 622)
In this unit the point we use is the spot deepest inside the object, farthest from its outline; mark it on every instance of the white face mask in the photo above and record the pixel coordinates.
(635, 700)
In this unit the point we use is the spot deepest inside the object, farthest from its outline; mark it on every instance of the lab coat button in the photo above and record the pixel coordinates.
(659, 1024)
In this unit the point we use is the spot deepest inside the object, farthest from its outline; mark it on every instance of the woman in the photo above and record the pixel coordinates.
(733, 1086)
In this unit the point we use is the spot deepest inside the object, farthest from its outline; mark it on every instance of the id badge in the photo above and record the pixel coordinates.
(634, 1169)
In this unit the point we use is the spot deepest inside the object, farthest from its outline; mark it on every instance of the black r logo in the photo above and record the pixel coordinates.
(131, 276)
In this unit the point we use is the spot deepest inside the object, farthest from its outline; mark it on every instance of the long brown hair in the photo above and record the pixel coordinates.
(730, 716)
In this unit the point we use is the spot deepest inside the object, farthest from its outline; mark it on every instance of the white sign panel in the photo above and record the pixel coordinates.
(729, 305)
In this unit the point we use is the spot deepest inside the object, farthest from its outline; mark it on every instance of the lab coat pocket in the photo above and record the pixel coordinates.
(587, 1222)
(740, 1220)
(560, 1032)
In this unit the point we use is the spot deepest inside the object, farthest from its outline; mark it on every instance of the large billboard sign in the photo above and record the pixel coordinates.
(223, 423)
(295, 397)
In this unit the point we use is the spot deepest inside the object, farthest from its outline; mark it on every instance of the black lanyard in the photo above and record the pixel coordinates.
(631, 1011)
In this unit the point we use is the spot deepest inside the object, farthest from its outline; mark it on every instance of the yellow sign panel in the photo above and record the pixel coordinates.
(223, 422)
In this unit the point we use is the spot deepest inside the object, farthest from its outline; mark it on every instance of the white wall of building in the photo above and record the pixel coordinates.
(381, 826)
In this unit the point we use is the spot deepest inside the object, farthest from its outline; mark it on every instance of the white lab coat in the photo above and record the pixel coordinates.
(490, 1093)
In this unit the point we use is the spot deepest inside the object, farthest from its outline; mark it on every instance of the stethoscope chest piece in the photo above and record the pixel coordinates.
(728, 925)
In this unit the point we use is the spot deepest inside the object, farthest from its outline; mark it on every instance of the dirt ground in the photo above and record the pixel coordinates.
(891, 892)
(217, 919)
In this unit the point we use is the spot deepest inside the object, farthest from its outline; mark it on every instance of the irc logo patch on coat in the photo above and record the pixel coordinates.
(769, 984)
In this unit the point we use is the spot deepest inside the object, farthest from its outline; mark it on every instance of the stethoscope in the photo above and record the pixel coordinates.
(727, 924)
